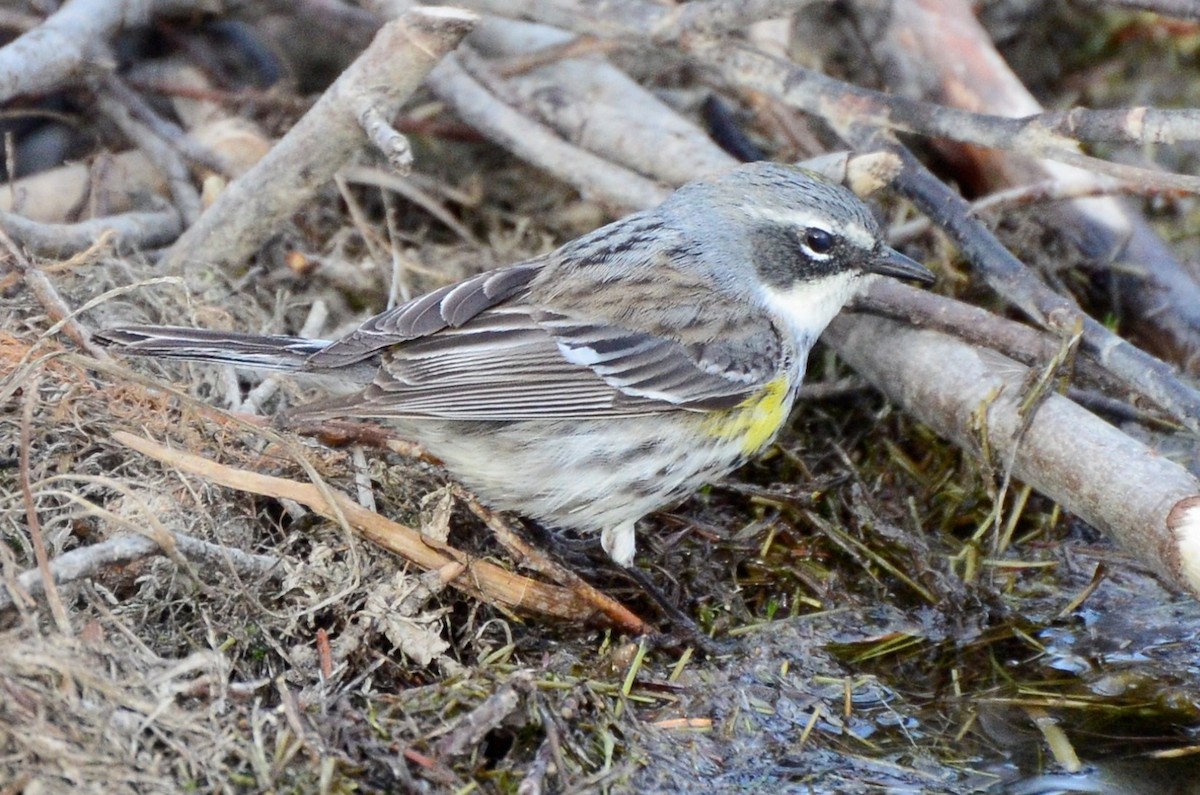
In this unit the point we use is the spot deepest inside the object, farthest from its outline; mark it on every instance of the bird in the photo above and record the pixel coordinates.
(612, 377)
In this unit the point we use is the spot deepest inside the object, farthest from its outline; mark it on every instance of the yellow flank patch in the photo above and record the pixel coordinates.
(755, 420)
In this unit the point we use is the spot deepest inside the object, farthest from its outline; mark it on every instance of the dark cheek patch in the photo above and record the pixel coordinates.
(779, 258)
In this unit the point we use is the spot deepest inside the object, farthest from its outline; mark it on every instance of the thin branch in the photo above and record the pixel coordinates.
(249, 210)
(1047, 191)
(593, 105)
(532, 142)
(478, 578)
(1138, 371)
(979, 327)
(65, 47)
(87, 561)
(170, 132)
(57, 309)
(132, 231)
(159, 152)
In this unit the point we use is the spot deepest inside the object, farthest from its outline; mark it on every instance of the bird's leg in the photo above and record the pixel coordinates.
(685, 631)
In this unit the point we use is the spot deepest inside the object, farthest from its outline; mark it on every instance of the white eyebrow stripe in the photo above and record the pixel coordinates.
(854, 233)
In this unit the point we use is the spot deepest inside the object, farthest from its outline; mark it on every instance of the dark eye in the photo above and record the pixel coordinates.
(818, 241)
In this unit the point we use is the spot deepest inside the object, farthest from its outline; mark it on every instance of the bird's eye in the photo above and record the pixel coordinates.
(818, 241)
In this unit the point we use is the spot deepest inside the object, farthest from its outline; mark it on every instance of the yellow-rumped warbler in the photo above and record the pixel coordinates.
(595, 384)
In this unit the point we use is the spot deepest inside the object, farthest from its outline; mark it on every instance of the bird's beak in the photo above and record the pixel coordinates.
(886, 261)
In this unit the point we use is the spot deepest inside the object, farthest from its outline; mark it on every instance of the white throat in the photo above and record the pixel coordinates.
(807, 307)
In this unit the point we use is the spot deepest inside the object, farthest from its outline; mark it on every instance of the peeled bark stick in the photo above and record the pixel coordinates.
(86, 561)
(325, 139)
(596, 106)
(936, 49)
(479, 578)
(593, 176)
(130, 231)
(1147, 504)
(1137, 370)
(1051, 135)
(73, 39)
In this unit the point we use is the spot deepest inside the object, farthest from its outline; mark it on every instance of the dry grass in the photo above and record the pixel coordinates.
(877, 638)
(333, 666)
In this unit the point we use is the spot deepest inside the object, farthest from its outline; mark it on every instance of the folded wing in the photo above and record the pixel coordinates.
(514, 361)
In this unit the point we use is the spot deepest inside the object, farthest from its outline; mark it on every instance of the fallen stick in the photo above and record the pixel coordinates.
(127, 231)
(947, 56)
(593, 176)
(1166, 537)
(86, 561)
(1147, 504)
(478, 578)
(70, 42)
(352, 111)
(593, 104)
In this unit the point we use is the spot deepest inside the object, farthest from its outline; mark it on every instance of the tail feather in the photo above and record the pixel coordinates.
(257, 351)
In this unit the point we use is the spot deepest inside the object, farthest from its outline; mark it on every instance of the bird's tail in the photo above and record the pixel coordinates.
(257, 351)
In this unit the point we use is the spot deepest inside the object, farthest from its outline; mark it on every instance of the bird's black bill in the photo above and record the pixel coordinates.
(889, 262)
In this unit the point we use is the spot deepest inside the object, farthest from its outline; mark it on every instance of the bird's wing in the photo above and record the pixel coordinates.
(517, 362)
(447, 307)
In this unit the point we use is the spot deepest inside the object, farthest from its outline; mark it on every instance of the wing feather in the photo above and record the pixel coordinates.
(506, 365)
(447, 307)
(481, 350)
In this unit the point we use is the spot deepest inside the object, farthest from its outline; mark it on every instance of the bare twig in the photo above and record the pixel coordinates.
(128, 231)
(326, 138)
(570, 48)
(593, 105)
(63, 48)
(394, 146)
(159, 152)
(1047, 191)
(979, 327)
(363, 175)
(56, 308)
(87, 561)
(168, 131)
(1137, 370)
(1141, 500)
(532, 558)
(592, 175)
(478, 578)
